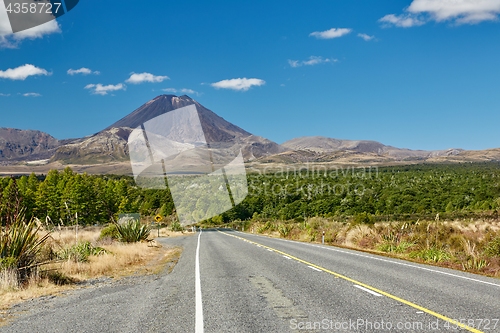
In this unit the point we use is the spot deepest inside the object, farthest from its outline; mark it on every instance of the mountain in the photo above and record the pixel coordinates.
(322, 145)
(23, 145)
(110, 144)
(323, 150)
(104, 147)
(24, 151)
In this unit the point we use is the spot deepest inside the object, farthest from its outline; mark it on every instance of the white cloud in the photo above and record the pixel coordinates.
(4, 95)
(462, 11)
(457, 11)
(188, 91)
(332, 33)
(313, 60)
(182, 91)
(136, 78)
(403, 21)
(100, 89)
(241, 84)
(366, 37)
(22, 72)
(12, 40)
(32, 94)
(83, 71)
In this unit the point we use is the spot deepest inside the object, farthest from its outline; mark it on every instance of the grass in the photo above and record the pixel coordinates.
(468, 245)
(112, 259)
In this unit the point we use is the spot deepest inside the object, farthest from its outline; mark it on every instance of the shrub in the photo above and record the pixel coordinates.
(474, 264)
(493, 248)
(176, 226)
(132, 231)
(110, 231)
(401, 247)
(284, 229)
(364, 218)
(432, 254)
(268, 226)
(80, 252)
(20, 244)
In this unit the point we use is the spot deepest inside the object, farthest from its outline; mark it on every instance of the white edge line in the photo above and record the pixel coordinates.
(287, 257)
(319, 270)
(199, 305)
(389, 261)
(367, 290)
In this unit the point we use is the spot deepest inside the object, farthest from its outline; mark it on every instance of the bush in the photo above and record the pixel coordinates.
(176, 226)
(401, 247)
(132, 231)
(432, 254)
(110, 231)
(80, 252)
(20, 245)
(285, 229)
(493, 248)
(363, 218)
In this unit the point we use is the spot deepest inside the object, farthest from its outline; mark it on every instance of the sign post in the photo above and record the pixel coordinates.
(158, 219)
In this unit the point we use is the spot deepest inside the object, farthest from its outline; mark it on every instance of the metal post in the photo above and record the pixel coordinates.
(76, 228)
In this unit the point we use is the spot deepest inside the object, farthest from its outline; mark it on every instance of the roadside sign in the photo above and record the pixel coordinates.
(123, 218)
(158, 218)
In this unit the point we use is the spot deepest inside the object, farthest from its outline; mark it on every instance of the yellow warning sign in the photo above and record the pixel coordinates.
(158, 218)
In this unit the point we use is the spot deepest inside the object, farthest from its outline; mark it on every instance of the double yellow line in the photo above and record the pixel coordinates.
(399, 299)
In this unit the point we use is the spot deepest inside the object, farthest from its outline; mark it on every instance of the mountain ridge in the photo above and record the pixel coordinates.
(110, 145)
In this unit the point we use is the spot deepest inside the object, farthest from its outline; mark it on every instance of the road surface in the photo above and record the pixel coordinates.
(227, 281)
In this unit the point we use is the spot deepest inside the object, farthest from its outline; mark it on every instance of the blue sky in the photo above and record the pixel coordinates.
(419, 74)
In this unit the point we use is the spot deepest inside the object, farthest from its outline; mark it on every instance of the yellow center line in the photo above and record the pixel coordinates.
(396, 298)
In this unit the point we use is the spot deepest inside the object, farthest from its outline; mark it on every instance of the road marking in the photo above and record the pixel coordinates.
(199, 305)
(361, 284)
(390, 261)
(367, 290)
(287, 257)
(319, 270)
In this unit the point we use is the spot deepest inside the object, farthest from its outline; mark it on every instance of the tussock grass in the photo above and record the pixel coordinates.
(469, 245)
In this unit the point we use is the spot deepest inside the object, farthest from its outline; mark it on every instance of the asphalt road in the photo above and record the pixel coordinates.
(246, 283)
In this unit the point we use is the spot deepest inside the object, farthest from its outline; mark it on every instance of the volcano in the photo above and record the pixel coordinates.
(110, 144)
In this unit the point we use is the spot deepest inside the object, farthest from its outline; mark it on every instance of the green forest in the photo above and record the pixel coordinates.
(364, 195)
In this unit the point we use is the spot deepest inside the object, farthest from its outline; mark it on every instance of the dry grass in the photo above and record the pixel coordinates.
(456, 244)
(166, 232)
(119, 261)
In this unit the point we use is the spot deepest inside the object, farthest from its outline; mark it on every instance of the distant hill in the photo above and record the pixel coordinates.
(23, 145)
(323, 146)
